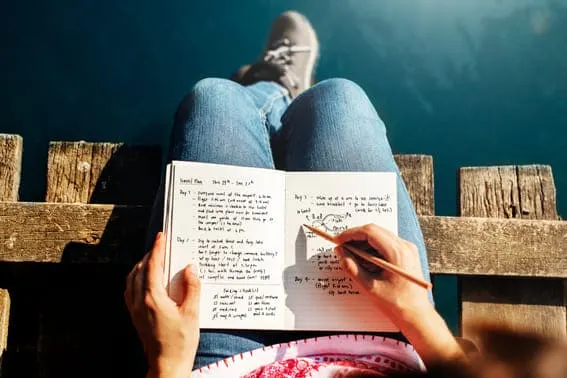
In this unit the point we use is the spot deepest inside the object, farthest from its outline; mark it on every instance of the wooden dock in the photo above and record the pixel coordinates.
(63, 262)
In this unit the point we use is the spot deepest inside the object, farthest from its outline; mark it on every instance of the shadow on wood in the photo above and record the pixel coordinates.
(504, 290)
(118, 244)
(131, 176)
(125, 175)
(69, 319)
(112, 173)
(69, 322)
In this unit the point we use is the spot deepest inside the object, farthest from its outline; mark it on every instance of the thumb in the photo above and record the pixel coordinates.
(192, 289)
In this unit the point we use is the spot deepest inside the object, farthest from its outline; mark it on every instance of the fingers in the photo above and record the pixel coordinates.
(154, 271)
(138, 281)
(145, 289)
(352, 268)
(385, 242)
(192, 287)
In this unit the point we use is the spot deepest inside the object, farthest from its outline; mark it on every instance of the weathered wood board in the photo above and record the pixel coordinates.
(484, 246)
(11, 147)
(111, 173)
(47, 232)
(535, 304)
(417, 173)
(51, 232)
(4, 320)
(524, 192)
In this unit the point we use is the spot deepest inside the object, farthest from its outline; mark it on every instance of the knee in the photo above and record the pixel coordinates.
(211, 94)
(342, 94)
(340, 87)
(339, 101)
(212, 87)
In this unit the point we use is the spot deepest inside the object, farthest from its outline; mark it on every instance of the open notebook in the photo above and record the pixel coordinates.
(259, 268)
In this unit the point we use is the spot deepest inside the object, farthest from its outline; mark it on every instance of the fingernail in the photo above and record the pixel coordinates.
(193, 269)
(159, 236)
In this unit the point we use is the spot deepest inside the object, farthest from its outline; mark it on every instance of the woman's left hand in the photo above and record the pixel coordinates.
(169, 331)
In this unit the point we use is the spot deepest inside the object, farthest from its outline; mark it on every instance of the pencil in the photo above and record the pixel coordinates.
(371, 259)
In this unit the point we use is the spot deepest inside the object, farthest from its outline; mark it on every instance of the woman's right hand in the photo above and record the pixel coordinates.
(404, 302)
(394, 294)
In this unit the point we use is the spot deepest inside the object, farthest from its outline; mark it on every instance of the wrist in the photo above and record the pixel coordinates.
(404, 313)
(426, 330)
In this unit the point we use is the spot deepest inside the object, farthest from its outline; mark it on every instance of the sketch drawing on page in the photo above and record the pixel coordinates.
(332, 223)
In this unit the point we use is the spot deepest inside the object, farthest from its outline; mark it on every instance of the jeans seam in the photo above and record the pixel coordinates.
(270, 101)
(263, 111)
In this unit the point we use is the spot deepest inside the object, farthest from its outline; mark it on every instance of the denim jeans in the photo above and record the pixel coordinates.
(330, 127)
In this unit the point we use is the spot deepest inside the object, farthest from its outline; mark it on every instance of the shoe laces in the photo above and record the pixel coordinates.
(281, 53)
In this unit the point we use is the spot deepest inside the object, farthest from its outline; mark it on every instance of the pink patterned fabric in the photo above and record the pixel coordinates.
(332, 356)
(335, 366)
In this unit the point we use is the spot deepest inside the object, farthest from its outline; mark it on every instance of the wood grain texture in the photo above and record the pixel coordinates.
(4, 320)
(534, 304)
(523, 192)
(11, 147)
(485, 246)
(417, 173)
(114, 173)
(49, 232)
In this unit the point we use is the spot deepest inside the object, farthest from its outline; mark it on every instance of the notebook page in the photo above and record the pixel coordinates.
(229, 221)
(319, 295)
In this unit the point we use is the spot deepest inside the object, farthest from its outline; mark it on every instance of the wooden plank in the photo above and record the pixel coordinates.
(4, 319)
(417, 173)
(535, 304)
(49, 232)
(486, 246)
(11, 147)
(524, 192)
(116, 173)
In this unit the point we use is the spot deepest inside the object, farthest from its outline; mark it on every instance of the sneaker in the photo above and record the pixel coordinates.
(289, 57)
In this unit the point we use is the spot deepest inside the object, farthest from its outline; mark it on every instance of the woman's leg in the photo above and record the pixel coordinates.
(334, 127)
(222, 122)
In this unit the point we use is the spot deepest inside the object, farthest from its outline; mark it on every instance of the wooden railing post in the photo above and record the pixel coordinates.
(417, 173)
(11, 147)
(523, 192)
(4, 322)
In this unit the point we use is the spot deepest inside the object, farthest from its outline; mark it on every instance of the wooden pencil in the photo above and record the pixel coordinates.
(370, 258)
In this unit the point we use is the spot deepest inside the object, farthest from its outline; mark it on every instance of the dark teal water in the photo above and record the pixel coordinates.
(471, 82)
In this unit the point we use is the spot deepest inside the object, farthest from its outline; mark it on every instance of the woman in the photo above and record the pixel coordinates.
(272, 117)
